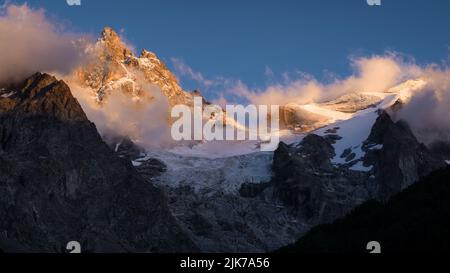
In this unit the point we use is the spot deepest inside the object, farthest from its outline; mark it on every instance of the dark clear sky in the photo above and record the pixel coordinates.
(240, 38)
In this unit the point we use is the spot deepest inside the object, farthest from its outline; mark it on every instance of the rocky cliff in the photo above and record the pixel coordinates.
(59, 181)
(306, 180)
(113, 67)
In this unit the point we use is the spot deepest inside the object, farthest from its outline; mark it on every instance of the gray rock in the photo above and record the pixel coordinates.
(318, 192)
(402, 160)
(60, 182)
(306, 181)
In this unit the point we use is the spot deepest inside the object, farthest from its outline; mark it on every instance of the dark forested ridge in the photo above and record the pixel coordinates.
(415, 220)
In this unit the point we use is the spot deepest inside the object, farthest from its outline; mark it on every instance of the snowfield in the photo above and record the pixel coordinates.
(353, 133)
(333, 115)
(226, 165)
(223, 166)
(204, 174)
(216, 166)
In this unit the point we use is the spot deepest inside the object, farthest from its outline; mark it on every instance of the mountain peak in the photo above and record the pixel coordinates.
(113, 46)
(43, 95)
(115, 67)
(38, 81)
(108, 34)
(147, 54)
(51, 156)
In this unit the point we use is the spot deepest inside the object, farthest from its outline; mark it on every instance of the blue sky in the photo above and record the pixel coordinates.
(240, 39)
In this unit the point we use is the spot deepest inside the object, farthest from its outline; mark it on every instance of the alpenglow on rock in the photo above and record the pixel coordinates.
(114, 67)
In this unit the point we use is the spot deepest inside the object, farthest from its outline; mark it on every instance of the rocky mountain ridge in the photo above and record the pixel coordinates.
(59, 181)
(113, 67)
(306, 180)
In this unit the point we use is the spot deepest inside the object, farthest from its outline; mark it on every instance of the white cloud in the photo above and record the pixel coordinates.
(30, 42)
(371, 74)
(428, 112)
(184, 70)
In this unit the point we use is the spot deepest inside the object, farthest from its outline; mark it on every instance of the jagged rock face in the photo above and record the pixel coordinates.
(306, 181)
(123, 147)
(114, 67)
(43, 95)
(223, 200)
(318, 191)
(295, 118)
(60, 182)
(402, 160)
(353, 102)
(223, 222)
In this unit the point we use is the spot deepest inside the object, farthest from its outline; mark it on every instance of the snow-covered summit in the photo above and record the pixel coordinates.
(350, 135)
(348, 120)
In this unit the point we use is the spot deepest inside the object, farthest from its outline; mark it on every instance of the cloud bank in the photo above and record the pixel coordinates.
(145, 121)
(30, 42)
(371, 74)
(428, 112)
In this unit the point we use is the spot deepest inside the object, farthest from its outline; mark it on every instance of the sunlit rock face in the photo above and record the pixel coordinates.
(113, 66)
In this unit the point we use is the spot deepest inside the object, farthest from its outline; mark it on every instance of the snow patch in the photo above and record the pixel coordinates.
(213, 175)
(331, 114)
(376, 147)
(223, 149)
(136, 163)
(116, 149)
(7, 95)
(353, 133)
